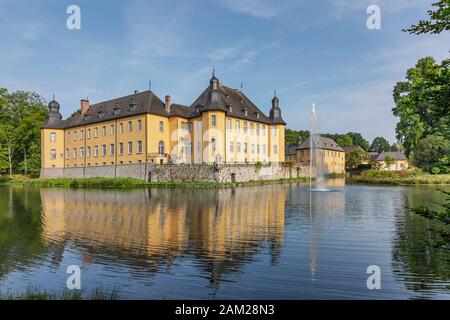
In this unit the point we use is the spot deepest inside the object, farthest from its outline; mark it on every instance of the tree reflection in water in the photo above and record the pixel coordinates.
(416, 261)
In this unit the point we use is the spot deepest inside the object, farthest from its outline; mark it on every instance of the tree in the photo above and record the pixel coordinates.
(4, 164)
(295, 137)
(422, 102)
(395, 147)
(358, 140)
(7, 143)
(21, 116)
(389, 161)
(380, 144)
(356, 157)
(439, 19)
(432, 151)
(342, 140)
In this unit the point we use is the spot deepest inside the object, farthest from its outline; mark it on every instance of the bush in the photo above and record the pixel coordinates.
(258, 165)
(435, 170)
(4, 179)
(391, 174)
(379, 174)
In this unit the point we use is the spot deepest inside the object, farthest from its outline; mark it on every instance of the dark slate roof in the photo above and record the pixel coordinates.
(373, 155)
(321, 142)
(135, 104)
(290, 148)
(395, 155)
(215, 97)
(181, 111)
(232, 101)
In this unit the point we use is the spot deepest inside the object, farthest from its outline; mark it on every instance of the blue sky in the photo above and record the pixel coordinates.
(309, 51)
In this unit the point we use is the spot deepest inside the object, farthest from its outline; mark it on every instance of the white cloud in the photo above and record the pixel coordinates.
(223, 53)
(259, 8)
(389, 6)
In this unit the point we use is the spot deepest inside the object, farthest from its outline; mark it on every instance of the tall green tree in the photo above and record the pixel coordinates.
(7, 144)
(356, 157)
(433, 151)
(358, 140)
(21, 116)
(380, 144)
(342, 140)
(422, 102)
(395, 147)
(439, 19)
(295, 137)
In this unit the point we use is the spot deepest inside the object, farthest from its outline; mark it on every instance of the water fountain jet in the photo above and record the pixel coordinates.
(315, 155)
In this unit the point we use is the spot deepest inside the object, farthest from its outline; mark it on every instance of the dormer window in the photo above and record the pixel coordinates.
(245, 112)
(257, 115)
(117, 109)
(230, 108)
(197, 109)
(101, 112)
(133, 104)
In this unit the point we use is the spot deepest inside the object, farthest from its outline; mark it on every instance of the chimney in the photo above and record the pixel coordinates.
(167, 104)
(84, 105)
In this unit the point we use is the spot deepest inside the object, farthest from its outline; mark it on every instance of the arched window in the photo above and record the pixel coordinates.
(161, 148)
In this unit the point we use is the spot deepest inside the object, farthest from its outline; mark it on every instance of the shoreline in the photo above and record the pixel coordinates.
(124, 183)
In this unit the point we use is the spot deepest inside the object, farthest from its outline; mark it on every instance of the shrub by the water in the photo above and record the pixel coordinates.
(403, 177)
(4, 179)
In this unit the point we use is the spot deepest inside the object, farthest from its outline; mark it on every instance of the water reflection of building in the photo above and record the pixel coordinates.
(222, 227)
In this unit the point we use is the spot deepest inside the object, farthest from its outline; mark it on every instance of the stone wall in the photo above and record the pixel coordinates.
(183, 172)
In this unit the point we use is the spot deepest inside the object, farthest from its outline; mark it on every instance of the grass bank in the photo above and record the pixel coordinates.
(405, 177)
(135, 183)
(36, 294)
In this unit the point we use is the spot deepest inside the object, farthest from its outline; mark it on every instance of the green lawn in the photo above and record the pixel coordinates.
(131, 183)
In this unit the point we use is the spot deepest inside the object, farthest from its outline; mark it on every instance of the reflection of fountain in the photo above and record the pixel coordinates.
(315, 155)
(312, 243)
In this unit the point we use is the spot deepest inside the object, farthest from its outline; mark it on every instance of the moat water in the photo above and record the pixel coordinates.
(262, 242)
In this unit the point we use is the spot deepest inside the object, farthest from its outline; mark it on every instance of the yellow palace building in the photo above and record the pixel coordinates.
(221, 125)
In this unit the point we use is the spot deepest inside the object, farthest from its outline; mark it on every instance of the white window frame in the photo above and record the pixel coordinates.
(130, 147)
